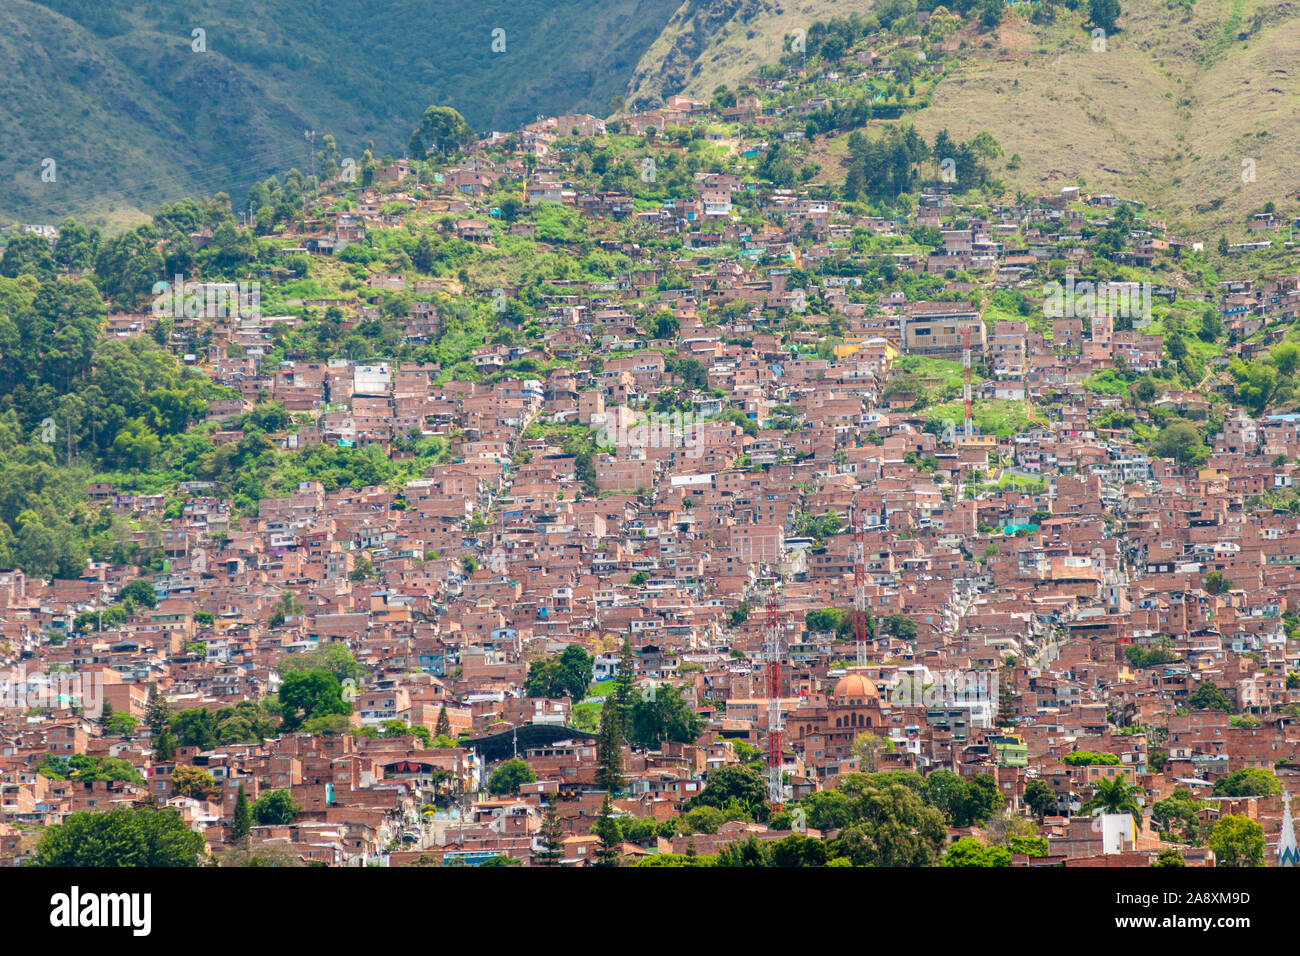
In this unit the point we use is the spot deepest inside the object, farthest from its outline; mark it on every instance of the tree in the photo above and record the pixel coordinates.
(1256, 383)
(751, 853)
(662, 715)
(400, 728)
(157, 715)
(139, 591)
(195, 782)
(1285, 357)
(1040, 798)
(550, 837)
(1104, 13)
(606, 827)
(27, 254)
(567, 675)
(701, 820)
(1248, 782)
(164, 746)
(196, 727)
(734, 785)
(1140, 656)
(1113, 795)
(576, 665)
(1089, 758)
(833, 48)
(624, 684)
(124, 836)
(971, 852)
(899, 626)
(1208, 696)
(1216, 583)
(443, 727)
(866, 745)
(664, 325)
(310, 694)
(1182, 442)
(1169, 857)
(828, 619)
(991, 13)
(242, 821)
(1212, 326)
(275, 808)
(609, 750)
(286, 606)
(797, 850)
(1175, 814)
(120, 725)
(336, 658)
(891, 825)
(829, 809)
(84, 768)
(510, 776)
(1237, 841)
(425, 254)
(963, 803)
(442, 129)
(267, 855)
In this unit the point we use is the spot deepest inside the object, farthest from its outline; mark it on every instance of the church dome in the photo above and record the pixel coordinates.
(854, 687)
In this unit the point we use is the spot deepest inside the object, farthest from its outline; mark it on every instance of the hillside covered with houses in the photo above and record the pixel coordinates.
(654, 490)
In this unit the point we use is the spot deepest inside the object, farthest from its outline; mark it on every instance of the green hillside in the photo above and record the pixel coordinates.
(114, 93)
(711, 42)
(1180, 97)
(1166, 111)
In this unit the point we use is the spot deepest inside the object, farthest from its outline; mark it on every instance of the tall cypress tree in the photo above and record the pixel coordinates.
(157, 714)
(610, 833)
(609, 750)
(243, 819)
(551, 835)
(624, 685)
(164, 745)
(443, 728)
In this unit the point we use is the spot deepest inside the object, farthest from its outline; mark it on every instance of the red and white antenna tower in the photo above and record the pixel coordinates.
(859, 585)
(965, 387)
(772, 646)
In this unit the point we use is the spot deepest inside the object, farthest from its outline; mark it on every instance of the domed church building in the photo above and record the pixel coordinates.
(853, 706)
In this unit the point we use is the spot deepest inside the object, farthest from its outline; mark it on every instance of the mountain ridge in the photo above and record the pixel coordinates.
(1166, 111)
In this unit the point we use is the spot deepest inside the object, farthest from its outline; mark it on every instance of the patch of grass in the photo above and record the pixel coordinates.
(1107, 382)
(586, 716)
(992, 416)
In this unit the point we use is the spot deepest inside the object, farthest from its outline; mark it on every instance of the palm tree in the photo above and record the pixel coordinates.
(1113, 795)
